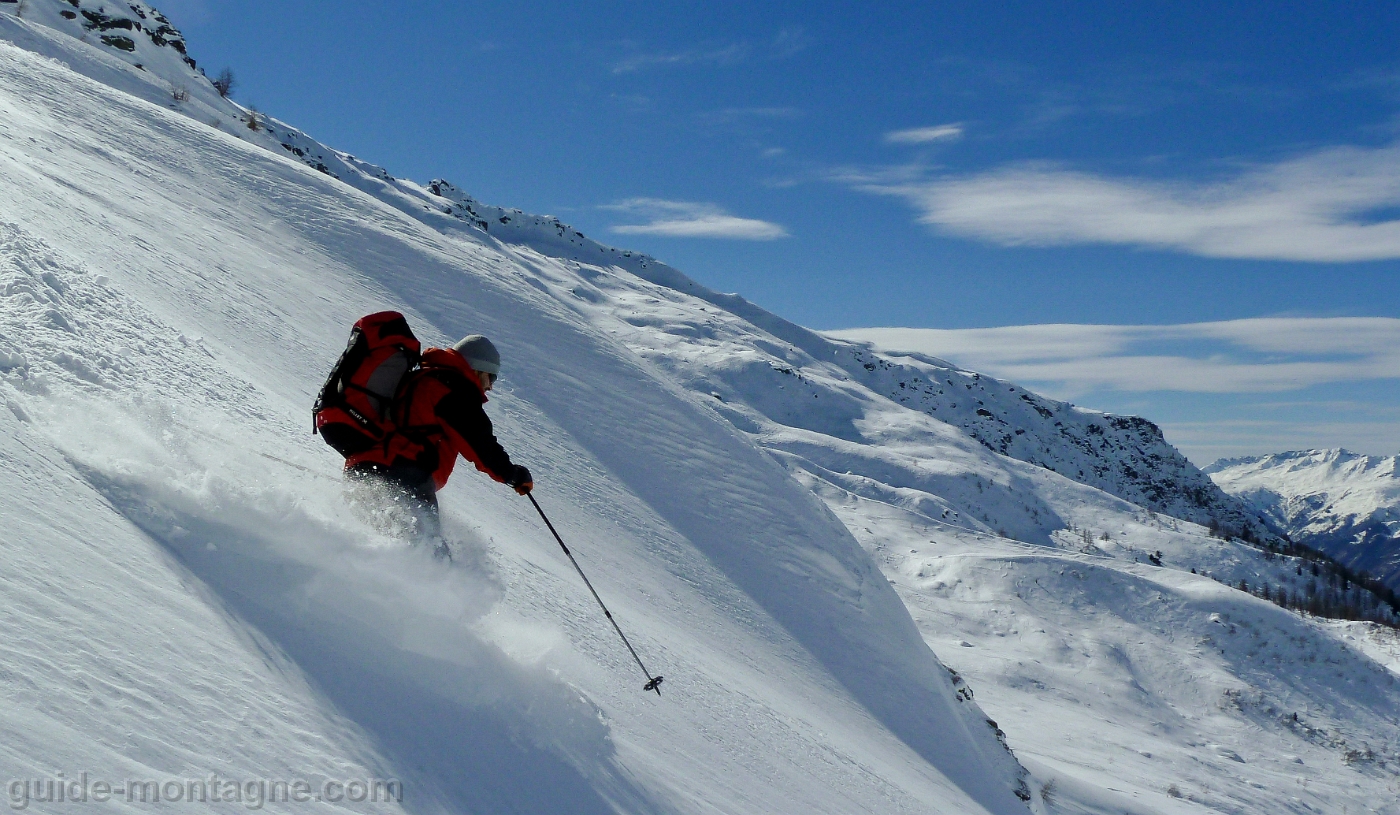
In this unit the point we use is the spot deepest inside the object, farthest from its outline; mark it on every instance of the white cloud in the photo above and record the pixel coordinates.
(1313, 208)
(1334, 335)
(683, 219)
(1212, 375)
(1236, 356)
(788, 42)
(724, 55)
(923, 135)
(1206, 441)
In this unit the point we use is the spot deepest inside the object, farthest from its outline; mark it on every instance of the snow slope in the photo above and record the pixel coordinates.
(1126, 686)
(1343, 503)
(177, 603)
(1123, 455)
(763, 508)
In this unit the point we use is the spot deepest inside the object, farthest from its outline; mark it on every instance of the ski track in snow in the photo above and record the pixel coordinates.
(779, 530)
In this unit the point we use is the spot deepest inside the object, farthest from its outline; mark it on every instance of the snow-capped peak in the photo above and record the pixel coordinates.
(1343, 503)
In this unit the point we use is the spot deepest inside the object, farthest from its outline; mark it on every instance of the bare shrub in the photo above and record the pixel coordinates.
(224, 82)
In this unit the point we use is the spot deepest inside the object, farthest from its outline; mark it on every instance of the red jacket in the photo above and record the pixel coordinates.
(439, 415)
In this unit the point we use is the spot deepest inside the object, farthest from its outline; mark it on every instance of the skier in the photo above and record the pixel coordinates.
(427, 416)
(401, 418)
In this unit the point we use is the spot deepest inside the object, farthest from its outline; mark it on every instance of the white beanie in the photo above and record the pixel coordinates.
(480, 354)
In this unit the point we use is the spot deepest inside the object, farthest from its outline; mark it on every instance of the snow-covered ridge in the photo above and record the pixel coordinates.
(134, 48)
(134, 29)
(1126, 456)
(1337, 501)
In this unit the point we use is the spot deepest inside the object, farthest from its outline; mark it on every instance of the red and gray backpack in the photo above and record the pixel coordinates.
(353, 413)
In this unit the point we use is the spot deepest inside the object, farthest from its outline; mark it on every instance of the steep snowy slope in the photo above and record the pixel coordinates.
(1339, 502)
(1042, 592)
(172, 296)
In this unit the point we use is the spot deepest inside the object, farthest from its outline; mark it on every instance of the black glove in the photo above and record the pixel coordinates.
(520, 480)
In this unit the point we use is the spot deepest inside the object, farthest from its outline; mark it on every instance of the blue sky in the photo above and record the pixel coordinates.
(932, 165)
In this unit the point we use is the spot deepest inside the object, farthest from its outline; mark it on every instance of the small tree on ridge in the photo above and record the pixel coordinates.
(224, 82)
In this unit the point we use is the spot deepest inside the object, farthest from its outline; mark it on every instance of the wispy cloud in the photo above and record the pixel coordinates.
(1236, 356)
(1206, 441)
(924, 135)
(1334, 205)
(723, 55)
(684, 219)
(788, 42)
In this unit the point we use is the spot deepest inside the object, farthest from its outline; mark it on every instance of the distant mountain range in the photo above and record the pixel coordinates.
(1337, 501)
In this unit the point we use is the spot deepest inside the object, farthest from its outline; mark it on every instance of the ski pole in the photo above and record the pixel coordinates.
(653, 682)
